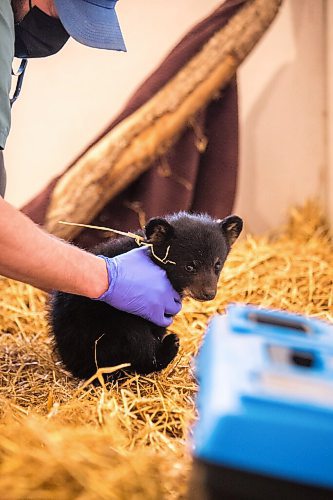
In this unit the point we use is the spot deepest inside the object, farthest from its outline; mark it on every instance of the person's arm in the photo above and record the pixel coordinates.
(130, 282)
(31, 255)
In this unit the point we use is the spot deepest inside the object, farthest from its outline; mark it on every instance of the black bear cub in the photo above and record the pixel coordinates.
(90, 334)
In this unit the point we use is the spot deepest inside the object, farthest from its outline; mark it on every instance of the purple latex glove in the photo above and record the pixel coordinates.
(138, 286)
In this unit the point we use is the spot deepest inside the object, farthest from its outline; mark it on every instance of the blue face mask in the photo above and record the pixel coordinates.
(39, 35)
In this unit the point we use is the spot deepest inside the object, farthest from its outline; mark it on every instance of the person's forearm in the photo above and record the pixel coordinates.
(29, 254)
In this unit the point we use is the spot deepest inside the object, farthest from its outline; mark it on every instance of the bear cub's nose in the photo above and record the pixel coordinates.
(207, 294)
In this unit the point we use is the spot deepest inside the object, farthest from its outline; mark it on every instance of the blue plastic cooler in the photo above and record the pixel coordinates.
(265, 427)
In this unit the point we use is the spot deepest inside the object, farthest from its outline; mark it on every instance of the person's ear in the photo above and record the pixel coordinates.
(231, 227)
(158, 231)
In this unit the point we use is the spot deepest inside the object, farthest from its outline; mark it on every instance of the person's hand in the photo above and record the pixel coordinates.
(138, 286)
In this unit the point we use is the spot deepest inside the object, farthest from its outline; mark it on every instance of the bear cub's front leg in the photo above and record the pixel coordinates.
(167, 351)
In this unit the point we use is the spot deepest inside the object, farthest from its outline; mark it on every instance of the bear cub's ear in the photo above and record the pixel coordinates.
(159, 231)
(231, 227)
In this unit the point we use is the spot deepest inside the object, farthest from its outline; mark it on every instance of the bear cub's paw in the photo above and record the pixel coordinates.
(167, 351)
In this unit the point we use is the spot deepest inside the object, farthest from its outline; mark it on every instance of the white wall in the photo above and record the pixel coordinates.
(69, 98)
(282, 108)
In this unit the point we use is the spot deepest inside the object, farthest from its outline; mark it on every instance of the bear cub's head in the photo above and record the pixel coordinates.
(199, 246)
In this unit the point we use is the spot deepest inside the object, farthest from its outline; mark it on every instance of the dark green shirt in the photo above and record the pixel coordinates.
(7, 41)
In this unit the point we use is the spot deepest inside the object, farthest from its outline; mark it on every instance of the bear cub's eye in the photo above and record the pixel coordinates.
(217, 266)
(190, 268)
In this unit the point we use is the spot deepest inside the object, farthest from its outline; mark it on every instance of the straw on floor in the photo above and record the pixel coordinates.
(132, 439)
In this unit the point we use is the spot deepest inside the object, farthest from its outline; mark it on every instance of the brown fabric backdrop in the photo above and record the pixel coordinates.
(189, 176)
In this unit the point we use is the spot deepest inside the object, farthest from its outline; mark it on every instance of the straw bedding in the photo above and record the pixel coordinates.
(59, 440)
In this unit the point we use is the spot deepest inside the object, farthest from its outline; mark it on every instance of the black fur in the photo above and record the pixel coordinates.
(84, 329)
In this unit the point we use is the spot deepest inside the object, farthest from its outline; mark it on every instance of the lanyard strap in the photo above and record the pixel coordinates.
(20, 74)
